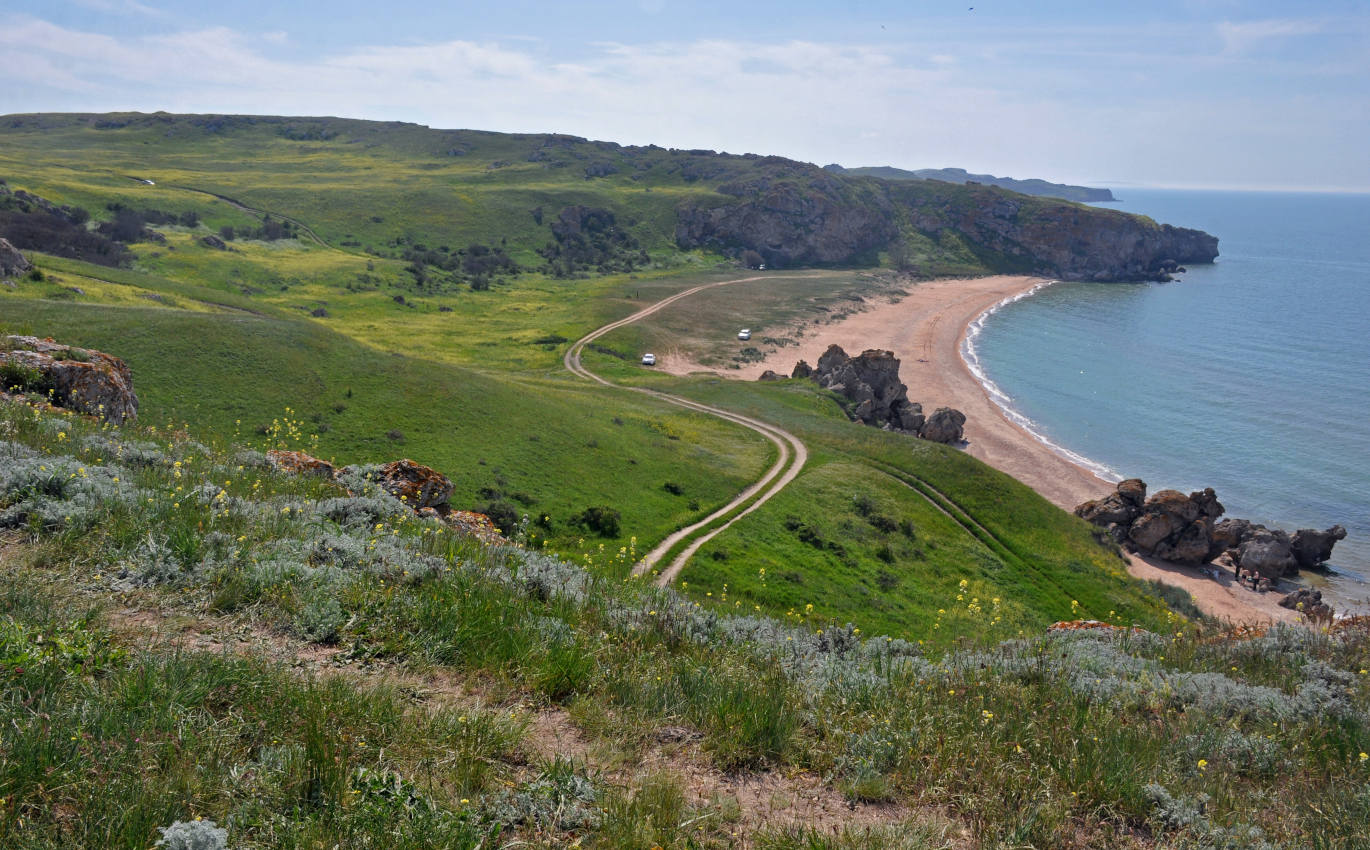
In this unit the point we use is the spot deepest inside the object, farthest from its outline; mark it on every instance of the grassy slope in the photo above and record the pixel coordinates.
(476, 394)
(315, 672)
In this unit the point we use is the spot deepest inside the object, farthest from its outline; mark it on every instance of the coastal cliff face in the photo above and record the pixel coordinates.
(1062, 240)
(834, 220)
(792, 223)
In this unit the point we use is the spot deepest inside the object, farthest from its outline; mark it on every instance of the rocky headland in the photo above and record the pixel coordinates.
(875, 395)
(829, 219)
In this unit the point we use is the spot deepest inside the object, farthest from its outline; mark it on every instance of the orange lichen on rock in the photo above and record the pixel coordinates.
(474, 525)
(79, 379)
(300, 463)
(416, 485)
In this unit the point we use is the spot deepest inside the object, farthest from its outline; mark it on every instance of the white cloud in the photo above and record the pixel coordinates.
(1241, 37)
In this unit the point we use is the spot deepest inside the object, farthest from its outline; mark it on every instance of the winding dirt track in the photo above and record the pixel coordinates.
(792, 453)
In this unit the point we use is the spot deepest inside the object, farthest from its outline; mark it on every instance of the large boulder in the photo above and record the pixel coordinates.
(79, 379)
(945, 425)
(1312, 548)
(1120, 507)
(1268, 553)
(1228, 536)
(870, 382)
(12, 263)
(416, 485)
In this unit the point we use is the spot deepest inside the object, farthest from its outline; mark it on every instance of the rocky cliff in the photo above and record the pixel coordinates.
(831, 219)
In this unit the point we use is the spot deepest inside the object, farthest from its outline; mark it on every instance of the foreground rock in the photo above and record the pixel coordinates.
(79, 379)
(870, 383)
(416, 485)
(299, 463)
(1309, 603)
(12, 263)
(422, 489)
(1185, 529)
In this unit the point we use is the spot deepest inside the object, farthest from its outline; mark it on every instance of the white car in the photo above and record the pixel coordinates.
(649, 360)
(744, 334)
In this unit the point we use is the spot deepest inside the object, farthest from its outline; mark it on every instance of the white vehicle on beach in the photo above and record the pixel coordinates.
(744, 334)
(649, 360)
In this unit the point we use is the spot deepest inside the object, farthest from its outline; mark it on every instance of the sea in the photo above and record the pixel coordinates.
(1250, 375)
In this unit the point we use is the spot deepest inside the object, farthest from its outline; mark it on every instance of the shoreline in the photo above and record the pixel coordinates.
(928, 329)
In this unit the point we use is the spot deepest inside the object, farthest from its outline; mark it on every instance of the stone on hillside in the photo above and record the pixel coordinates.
(79, 379)
(12, 263)
(802, 370)
(770, 375)
(945, 425)
(1312, 547)
(212, 241)
(474, 525)
(299, 463)
(416, 485)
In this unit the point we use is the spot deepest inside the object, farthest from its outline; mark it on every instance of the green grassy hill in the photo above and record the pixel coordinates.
(374, 362)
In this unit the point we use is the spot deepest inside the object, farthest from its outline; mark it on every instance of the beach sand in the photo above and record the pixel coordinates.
(925, 330)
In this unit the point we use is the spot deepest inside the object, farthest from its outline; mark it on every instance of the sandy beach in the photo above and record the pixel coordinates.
(925, 330)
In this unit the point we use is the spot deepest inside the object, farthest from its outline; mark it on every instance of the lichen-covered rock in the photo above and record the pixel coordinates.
(474, 525)
(945, 425)
(300, 463)
(416, 485)
(12, 263)
(79, 379)
(770, 375)
(1169, 525)
(871, 382)
(802, 370)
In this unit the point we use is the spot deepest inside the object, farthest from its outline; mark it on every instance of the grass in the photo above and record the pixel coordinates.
(1120, 739)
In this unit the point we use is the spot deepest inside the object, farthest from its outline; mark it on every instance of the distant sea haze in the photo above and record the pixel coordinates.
(1250, 375)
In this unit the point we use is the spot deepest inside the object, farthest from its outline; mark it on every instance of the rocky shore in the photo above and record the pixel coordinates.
(1186, 529)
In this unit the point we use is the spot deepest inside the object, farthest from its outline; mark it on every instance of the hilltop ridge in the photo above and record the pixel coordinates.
(568, 205)
(1031, 186)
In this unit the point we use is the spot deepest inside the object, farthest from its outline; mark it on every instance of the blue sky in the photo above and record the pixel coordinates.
(1195, 93)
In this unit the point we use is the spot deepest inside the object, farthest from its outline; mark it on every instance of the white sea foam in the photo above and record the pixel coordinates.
(971, 357)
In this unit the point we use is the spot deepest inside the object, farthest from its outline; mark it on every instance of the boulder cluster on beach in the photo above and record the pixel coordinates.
(1185, 529)
(870, 382)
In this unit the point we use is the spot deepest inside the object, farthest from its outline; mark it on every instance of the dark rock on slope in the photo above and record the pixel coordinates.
(12, 263)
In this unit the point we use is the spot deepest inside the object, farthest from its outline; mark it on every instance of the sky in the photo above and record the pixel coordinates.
(1174, 93)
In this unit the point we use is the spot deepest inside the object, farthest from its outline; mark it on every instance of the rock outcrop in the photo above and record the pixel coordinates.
(300, 463)
(12, 263)
(1308, 602)
(416, 485)
(1185, 529)
(945, 425)
(875, 395)
(79, 379)
(421, 488)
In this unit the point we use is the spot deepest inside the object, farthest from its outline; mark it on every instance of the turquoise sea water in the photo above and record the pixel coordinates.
(1250, 375)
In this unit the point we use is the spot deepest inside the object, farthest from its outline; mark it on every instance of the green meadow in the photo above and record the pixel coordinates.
(366, 362)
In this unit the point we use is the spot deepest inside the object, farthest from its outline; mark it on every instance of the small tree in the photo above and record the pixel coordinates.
(752, 260)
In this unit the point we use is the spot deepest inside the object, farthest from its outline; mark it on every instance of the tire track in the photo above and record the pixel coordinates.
(792, 452)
